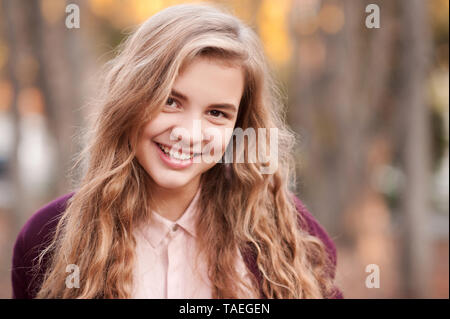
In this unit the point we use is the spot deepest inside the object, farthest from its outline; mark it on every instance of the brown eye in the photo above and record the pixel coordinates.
(170, 101)
(217, 114)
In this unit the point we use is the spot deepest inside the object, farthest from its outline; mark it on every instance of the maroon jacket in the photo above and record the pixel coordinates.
(39, 229)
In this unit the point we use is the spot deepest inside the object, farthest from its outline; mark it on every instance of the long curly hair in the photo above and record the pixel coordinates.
(240, 208)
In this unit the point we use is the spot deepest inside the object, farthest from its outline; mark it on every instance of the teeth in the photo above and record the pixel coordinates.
(174, 154)
(179, 156)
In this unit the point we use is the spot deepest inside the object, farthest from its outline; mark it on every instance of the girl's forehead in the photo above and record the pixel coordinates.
(204, 75)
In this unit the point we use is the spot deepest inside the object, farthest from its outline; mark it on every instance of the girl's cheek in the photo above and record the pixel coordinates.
(156, 127)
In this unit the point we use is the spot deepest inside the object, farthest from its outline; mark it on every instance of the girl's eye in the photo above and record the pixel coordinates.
(217, 114)
(171, 101)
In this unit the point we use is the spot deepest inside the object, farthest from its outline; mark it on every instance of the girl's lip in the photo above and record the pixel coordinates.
(171, 162)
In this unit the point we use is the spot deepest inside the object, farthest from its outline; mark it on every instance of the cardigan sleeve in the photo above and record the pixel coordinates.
(19, 290)
(31, 240)
(315, 229)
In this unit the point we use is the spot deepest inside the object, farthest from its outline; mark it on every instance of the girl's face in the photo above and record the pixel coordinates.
(205, 98)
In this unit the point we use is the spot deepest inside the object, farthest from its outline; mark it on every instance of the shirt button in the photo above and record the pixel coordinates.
(175, 227)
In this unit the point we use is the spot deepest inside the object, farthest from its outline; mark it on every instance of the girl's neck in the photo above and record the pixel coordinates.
(172, 203)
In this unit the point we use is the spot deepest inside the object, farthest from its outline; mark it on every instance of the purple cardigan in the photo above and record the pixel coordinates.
(39, 229)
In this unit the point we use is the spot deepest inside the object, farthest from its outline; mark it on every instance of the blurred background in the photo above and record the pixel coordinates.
(370, 106)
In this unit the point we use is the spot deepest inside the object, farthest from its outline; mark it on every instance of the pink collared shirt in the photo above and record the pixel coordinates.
(165, 267)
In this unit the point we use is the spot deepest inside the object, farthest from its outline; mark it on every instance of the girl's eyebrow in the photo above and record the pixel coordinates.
(226, 106)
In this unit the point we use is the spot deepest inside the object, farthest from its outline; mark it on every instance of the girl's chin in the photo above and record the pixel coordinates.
(170, 185)
(172, 180)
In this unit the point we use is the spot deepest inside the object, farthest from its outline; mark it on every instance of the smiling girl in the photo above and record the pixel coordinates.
(151, 217)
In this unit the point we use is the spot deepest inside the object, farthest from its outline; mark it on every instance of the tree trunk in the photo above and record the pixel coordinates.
(416, 152)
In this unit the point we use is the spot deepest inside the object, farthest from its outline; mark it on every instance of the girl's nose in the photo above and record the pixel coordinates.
(189, 133)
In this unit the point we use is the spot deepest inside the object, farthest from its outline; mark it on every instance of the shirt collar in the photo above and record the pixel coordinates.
(160, 226)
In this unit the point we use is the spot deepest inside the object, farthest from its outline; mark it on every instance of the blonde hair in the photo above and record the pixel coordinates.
(249, 210)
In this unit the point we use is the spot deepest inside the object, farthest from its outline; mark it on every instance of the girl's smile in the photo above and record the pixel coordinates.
(174, 159)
